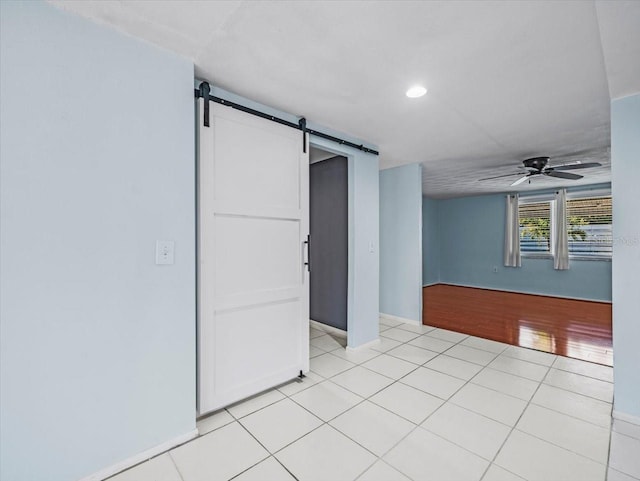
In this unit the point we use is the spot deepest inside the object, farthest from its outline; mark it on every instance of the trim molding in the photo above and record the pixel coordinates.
(140, 457)
(403, 320)
(626, 417)
(330, 329)
(519, 292)
(366, 345)
(431, 284)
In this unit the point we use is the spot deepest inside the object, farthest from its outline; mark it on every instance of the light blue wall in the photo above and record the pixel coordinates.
(401, 242)
(364, 270)
(471, 237)
(364, 263)
(97, 162)
(362, 302)
(625, 163)
(430, 242)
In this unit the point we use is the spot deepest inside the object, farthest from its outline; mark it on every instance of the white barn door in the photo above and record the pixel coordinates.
(253, 305)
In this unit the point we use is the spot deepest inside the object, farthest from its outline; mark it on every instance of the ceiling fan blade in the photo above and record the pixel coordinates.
(562, 175)
(586, 165)
(498, 176)
(520, 180)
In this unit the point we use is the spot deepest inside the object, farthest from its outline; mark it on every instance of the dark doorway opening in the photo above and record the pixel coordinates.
(329, 233)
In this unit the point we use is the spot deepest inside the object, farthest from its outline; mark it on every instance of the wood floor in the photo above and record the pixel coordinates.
(568, 327)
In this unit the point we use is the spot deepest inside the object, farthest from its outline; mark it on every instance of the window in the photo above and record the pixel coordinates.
(589, 227)
(535, 227)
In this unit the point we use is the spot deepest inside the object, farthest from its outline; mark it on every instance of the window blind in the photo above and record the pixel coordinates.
(589, 226)
(535, 227)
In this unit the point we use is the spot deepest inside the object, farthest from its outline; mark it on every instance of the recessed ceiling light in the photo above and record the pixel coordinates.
(416, 91)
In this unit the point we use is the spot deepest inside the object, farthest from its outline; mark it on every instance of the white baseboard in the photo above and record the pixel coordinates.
(626, 417)
(404, 320)
(140, 457)
(328, 329)
(366, 345)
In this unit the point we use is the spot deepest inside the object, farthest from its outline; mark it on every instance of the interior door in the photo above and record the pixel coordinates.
(253, 285)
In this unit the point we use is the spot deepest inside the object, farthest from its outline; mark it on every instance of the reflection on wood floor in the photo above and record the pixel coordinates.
(568, 327)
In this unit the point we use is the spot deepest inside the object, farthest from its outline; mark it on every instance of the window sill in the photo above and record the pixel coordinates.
(536, 256)
(589, 258)
(571, 257)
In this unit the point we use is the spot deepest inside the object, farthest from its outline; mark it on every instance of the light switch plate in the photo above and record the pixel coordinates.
(164, 252)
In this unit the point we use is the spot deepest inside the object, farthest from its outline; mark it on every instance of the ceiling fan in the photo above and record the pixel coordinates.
(538, 166)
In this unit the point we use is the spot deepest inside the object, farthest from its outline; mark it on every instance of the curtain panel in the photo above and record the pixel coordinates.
(561, 238)
(512, 233)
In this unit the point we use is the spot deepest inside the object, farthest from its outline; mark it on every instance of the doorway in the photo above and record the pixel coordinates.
(329, 238)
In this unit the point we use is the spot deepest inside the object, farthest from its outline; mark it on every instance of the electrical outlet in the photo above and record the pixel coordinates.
(164, 252)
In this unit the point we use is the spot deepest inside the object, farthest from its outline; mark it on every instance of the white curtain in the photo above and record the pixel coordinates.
(561, 238)
(512, 233)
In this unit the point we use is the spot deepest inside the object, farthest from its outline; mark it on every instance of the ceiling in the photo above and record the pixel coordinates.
(506, 80)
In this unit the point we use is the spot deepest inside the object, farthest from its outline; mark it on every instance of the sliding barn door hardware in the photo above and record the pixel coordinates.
(302, 125)
(205, 92)
(307, 243)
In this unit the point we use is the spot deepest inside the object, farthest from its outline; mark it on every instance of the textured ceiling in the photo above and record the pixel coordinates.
(507, 80)
(464, 177)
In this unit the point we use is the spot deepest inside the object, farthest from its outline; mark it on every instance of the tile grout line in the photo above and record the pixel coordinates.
(419, 425)
(515, 428)
(416, 425)
(509, 435)
(512, 428)
(496, 355)
(173, 461)
(529, 402)
(264, 459)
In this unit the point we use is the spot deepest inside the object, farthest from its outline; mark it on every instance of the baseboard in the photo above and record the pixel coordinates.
(140, 457)
(510, 291)
(628, 418)
(328, 329)
(404, 320)
(431, 284)
(366, 345)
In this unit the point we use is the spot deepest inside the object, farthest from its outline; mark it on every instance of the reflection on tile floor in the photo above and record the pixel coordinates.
(424, 404)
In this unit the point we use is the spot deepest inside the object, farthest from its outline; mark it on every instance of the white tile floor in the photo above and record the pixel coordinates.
(424, 404)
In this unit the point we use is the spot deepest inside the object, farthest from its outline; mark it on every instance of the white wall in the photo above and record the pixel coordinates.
(401, 242)
(97, 162)
(625, 169)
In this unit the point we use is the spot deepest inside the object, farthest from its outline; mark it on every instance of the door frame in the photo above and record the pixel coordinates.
(322, 145)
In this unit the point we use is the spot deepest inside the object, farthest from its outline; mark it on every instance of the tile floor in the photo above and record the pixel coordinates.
(423, 404)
